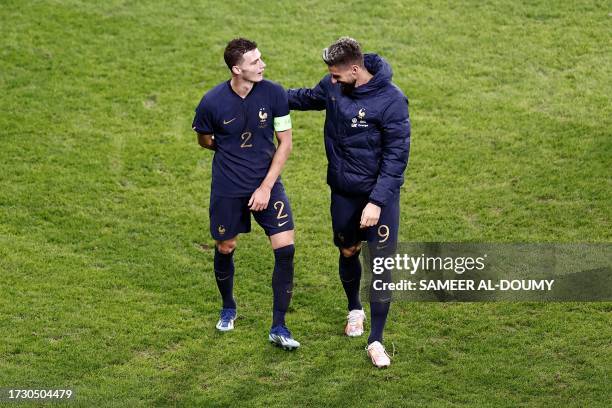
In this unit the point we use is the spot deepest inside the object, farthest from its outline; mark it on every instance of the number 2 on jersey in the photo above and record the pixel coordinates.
(246, 139)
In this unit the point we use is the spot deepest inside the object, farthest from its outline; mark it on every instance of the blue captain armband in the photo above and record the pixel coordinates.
(282, 123)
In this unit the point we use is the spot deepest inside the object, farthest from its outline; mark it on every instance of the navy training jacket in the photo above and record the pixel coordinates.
(367, 132)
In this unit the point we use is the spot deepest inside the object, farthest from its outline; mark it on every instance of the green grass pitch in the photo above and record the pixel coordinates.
(106, 282)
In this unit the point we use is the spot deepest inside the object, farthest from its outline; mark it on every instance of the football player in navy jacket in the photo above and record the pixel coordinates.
(238, 119)
(367, 142)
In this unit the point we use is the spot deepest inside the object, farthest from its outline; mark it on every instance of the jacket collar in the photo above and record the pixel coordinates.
(381, 71)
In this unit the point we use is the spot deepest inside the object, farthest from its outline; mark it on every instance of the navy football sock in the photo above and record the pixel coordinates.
(282, 283)
(224, 275)
(350, 276)
(378, 318)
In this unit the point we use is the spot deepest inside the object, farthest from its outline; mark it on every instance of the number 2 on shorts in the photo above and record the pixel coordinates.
(280, 206)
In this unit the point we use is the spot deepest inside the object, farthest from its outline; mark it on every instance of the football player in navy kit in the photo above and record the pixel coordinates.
(238, 119)
(367, 142)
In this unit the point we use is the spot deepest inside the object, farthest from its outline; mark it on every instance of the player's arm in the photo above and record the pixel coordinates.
(207, 141)
(203, 125)
(395, 136)
(260, 198)
(308, 98)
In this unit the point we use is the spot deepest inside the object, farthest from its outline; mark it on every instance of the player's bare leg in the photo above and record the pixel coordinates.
(282, 239)
(227, 246)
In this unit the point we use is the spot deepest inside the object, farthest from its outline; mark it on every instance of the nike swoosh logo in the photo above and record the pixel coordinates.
(280, 224)
(227, 122)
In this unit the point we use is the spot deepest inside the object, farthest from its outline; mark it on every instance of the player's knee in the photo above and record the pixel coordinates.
(350, 251)
(226, 247)
(346, 252)
(282, 239)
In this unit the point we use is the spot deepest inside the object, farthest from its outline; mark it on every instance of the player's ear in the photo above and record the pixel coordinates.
(235, 70)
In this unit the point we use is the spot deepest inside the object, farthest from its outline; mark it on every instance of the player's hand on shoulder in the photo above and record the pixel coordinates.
(369, 216)
(260, 198)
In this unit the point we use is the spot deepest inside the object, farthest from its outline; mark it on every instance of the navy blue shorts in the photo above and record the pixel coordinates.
(346, 214)
(232, 216)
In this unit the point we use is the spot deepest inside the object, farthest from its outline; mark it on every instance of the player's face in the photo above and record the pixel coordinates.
(251, 67)
(346, 76)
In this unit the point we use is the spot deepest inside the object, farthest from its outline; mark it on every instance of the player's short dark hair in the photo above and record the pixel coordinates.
(345, 51)
(235, 49)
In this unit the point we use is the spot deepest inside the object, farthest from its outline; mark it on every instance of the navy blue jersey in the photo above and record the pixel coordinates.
(244, 134)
